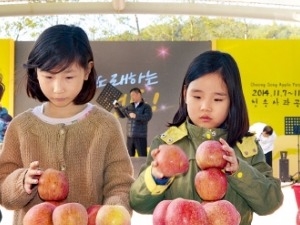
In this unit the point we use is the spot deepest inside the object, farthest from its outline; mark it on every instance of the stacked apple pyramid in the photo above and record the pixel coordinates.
(210, 184)
(53, 189)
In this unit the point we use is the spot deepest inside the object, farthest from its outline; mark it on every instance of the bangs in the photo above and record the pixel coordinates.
(57, 61)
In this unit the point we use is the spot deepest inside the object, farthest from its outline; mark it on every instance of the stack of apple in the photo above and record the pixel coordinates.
(53, 189)
(211, 184)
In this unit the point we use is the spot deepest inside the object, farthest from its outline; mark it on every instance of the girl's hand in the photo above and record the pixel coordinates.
(32, 176)
(155, 171)
(232, 163)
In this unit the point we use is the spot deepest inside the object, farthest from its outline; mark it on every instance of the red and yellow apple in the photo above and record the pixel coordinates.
(211, 184)
(70, 213)
(222, 212)
(171, 160)
(210, 154)
(53, 185)
(113, 215)
(40, 214)
(185, 212)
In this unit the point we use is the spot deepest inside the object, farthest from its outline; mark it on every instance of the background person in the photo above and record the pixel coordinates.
(212, 107)
(5, 118)
(139, 113)
(266, 137)
(66, 132)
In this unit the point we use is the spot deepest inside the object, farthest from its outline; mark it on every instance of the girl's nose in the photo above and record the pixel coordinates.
(58, 87)
(206, 106)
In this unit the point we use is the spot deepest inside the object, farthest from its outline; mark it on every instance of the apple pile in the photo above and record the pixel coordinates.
(210, 181)
(211, 185)
(53, 189)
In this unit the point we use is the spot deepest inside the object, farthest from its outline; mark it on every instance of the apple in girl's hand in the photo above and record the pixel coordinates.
(92, 213)
(39, 214)
(53, 185)
(113, 215)
(70, 213)
(222, 212)
(171, 160)
(185, 212)
(159, 213)
(210, 154)
(211, 184)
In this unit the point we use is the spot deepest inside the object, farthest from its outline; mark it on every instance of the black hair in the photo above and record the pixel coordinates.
(268, 130)
(237, 121)
(135, 89)
(2, 87)
(57, 48)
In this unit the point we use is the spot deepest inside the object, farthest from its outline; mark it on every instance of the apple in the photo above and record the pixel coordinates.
(171, 160)
(211, 184)
(222, 212)
(40, 214)
(53, 185)
(210, 154)
(92, 213)
(185, 212)
(113, 215)
(159, 213)
(70, 213)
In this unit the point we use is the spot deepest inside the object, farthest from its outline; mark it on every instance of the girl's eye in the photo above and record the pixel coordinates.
(197, 97)
(218, 100)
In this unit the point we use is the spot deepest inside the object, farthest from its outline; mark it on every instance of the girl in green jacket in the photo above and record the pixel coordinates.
(212, 107)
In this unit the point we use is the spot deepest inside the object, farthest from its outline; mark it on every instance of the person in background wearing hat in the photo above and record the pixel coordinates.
(139, 113)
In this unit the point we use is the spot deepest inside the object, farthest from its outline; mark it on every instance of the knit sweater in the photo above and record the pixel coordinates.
(91, 152)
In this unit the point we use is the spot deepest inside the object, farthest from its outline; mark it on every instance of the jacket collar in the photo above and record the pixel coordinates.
(174, 134)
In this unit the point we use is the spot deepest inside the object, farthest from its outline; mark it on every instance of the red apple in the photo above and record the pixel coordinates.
(172, 160)
(70, 213)
(210, 154)
(40, 214)
(53, 185)
(222, 212)
(92, 213)
(185, 212)
(113, 215)
(211, 184)
(159, 212)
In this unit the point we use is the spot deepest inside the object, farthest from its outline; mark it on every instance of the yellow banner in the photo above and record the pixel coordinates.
(7, 62)
(270, 75)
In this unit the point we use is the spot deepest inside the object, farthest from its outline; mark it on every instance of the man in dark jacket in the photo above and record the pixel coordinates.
(139, 113)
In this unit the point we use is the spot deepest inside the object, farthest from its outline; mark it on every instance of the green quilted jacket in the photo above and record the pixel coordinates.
(251, 189)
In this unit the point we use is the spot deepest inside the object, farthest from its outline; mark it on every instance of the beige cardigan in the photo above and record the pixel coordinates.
(92, 152)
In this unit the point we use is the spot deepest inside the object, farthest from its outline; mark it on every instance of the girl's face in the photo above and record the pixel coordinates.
(207, 101)
(63, 87)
